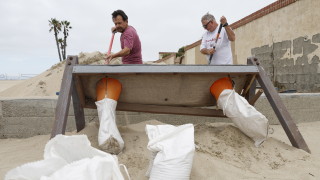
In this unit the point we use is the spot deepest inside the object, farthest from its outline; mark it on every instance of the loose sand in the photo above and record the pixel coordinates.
(223, 152)
(5, 84)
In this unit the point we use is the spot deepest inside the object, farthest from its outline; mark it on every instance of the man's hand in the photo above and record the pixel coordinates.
(211, 51)
(230, 33)
(109, 57)
(208, 51)
(113, 29)
(223, 20)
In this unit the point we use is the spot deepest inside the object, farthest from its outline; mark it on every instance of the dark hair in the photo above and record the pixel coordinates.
(119, 13)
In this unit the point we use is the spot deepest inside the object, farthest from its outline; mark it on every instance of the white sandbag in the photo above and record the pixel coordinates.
(250, 121)
(35, 170)
(96, 168)
(109, 137)
(69, 157)
(173, 150)
(71, 148)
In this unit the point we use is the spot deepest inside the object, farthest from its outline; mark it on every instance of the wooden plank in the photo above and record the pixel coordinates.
(63, 102)
(165, 69)
(170, 110)
(252, 78)
(161, 89)
(255, 97)
(280, 110)
(78, 109)
(180, 85)
(79, 88)
(252, 90)
(77, 105)
(193, 111)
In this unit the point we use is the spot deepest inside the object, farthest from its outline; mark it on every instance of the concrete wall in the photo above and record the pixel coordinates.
(194, 56)
(170, 60)
(191, 56)
(286, 42)
(28, 117)
(286, 72)
(167, 60)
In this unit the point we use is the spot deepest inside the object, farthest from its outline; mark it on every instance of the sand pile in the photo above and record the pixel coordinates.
(48, 83)
(222, 152)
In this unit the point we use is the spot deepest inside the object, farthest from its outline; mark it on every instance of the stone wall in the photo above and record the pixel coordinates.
(21, 118)
(292, 64)
(285, 37)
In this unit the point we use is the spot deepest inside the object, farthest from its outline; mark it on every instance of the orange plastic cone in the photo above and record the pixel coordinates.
(108, 88)
(219, 85)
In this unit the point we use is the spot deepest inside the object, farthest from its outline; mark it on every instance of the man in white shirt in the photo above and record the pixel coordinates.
(220, 49)
(248, 119)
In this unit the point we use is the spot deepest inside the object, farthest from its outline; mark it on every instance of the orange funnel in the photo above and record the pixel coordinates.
(108, 87)
(219, 85)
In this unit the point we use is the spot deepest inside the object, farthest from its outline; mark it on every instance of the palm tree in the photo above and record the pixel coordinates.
(56, 27)
(66, 27)
(62, 47)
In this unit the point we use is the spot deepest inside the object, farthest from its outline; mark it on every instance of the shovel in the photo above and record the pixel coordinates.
(110, 46)
(217, 37)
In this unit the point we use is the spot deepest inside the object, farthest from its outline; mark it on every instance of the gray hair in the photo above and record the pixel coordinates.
(208, 17)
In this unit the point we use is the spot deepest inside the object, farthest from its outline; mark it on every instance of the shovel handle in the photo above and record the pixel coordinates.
(111, 42)
(110, 47)
(217, 37)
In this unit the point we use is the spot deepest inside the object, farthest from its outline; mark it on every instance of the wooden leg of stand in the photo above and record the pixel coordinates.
(63, 103)
(280, 110)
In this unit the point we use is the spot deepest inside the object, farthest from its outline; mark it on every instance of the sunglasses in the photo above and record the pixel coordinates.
(206, 25)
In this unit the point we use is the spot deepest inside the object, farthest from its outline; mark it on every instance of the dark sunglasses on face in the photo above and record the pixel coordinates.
(206, 25)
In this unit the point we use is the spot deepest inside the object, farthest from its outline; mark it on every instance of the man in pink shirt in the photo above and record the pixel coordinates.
(130, 42)
(108, 90)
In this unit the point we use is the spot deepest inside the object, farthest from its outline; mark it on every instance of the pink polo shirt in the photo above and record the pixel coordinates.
(130, 39)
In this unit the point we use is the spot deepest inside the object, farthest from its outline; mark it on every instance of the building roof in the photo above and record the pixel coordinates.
(262, 12)
(163, 59)
(167, 52)
(190, 46)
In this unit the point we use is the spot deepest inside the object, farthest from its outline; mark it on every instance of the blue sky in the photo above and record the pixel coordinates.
(27, 47)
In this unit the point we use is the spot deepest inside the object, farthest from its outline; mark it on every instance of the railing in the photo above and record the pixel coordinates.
(16, 76)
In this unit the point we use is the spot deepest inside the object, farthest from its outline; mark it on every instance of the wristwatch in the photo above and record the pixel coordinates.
(225, 24)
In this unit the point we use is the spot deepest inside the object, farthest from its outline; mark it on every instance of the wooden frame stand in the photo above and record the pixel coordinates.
(169, 89)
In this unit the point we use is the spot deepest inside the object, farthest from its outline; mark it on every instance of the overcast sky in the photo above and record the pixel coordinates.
(27, 47)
